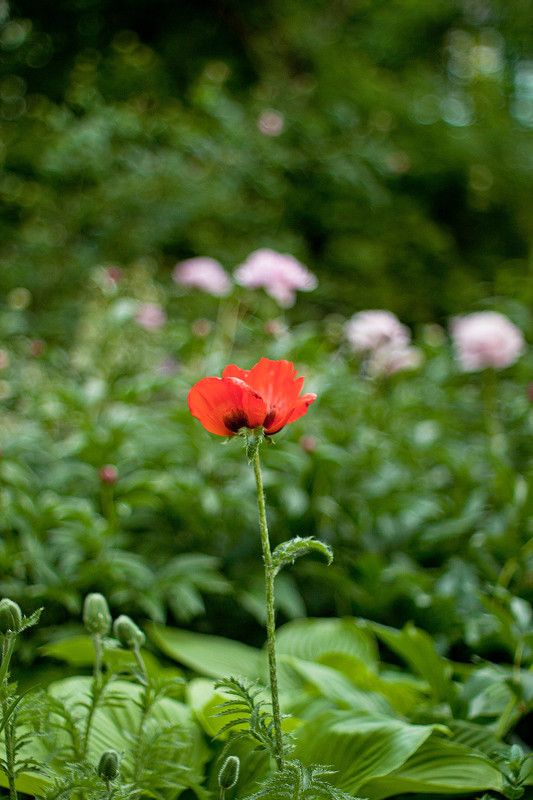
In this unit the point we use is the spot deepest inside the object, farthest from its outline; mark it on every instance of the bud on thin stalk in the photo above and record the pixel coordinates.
(96, 616)
(131, 637)
(228, 775)
(108, 767)
(10, 617)
(97, 620)
(10, 625)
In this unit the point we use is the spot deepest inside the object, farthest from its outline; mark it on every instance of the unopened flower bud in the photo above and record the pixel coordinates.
(108, 474)
(308, 443)
(127, 632)
(229, 774)
(96, 616)
(10, 616)
(37, 347)
(108, 765)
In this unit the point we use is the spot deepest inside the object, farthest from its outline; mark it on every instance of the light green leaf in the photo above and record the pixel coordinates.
(324, 681)
(417, 649)
(29, 783)
(79, 652)
(205, 702)
(476, 737)
(404, 692)
(315, 639)
(114, 728)
(359, 745)
(213, 656)
(438, 767)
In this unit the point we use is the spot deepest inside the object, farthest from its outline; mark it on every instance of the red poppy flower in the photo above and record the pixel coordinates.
(267, 395)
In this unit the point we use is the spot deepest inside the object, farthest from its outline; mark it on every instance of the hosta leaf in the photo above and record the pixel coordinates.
(476, 737)
(205, 702)
(315, 639)
(359, 745)
(404, 692)
(438, 767)
(324, 681)
(212, 656)
(79, 652)
(114, 728)
(28, 783)
(417, 649)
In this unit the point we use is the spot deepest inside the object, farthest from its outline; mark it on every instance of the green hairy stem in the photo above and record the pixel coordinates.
(271, 623)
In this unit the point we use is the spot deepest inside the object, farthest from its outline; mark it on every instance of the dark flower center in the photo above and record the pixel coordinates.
(270, 417)
(235, 421)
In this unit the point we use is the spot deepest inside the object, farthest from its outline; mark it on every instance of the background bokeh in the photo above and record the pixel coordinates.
(387, 145)
(353, 155)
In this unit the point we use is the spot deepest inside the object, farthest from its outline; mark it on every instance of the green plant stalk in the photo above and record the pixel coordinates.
(271, 622)
(108, 506)
(140, 663)
(7, 650)
(95, 699)
(145, 704)
(97, 644)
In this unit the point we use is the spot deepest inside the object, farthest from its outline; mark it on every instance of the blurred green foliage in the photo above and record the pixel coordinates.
(386, 145)
(420, 481)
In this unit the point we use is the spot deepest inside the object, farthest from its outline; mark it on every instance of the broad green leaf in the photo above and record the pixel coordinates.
(79, 652)
(476, 737)
(113, 727)
(358, 745)
(29, 783)
(320, 680)
(212, 656)
(405, 693)
(489, 695)
(315, 639)
(438, 767)
(417, 649)
(205, 702)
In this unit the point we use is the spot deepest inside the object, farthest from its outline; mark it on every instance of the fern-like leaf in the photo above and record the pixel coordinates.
(297, 782)
(248, 711)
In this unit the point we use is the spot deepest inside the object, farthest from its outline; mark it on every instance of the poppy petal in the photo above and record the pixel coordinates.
(275, 381)
(278, 385)
(233, 371)
(297, 411)
(224, 406)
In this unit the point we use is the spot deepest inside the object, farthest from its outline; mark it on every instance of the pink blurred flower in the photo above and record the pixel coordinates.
(308, 443)
(168, 366)
(150, 316)
(114, 275)
(367, 331)
(202, 327)
(387, 360)
(279, 274)
(485, 339)
(108, 474)
(203, 273)
(271, 122)
(37, 347)
(275, 327)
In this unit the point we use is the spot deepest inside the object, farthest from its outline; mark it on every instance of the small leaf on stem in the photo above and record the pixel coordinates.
(288, 552)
